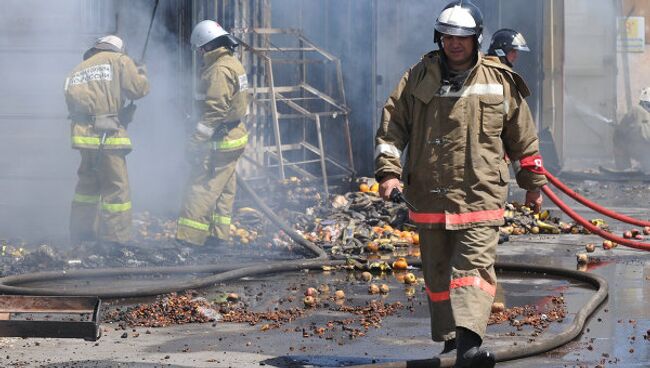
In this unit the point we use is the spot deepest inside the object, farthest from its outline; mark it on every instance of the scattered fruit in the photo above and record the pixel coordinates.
(590, 247)
(400, 264)
(311, 292)
(608, 244)
(646, 230)
(339, 294)
(498, 307)
(627, 235)
(582, 258)
(373, 289)
(309, 301)
(410, 278)
(384, 289)
(364, 188)
(372, 247)
(366, 276)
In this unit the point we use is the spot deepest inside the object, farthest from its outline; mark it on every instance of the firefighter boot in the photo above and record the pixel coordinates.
(450, 345)
(469, 354)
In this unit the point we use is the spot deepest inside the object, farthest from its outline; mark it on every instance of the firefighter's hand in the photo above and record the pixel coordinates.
(142, 69)
(197, 152)
(534, 200)
(387, 185)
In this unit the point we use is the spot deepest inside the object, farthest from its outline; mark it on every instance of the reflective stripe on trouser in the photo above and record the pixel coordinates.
(107, 187)
(458, 268)
(205, 193)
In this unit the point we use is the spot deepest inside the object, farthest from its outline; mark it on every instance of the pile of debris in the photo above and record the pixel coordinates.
(167, 310)
(539, 318)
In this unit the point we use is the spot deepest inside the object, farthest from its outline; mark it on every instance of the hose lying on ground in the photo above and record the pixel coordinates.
(220, 272)
(607, 212)
(229, 272)
(591, 227)
(532, 348)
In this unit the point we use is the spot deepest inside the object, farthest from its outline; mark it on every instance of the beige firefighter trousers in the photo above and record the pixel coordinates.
(460, 279)
(101, 207)
(209, 199)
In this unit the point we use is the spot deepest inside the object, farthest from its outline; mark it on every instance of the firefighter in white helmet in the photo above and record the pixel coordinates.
(96, 93)
(458, 113)
(506, 45)
(632, 136)
(218, 140)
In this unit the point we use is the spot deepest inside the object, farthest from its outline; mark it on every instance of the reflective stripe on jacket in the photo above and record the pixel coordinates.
(455, 172)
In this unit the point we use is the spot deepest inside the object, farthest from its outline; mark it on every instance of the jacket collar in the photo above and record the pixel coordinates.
(214, 55)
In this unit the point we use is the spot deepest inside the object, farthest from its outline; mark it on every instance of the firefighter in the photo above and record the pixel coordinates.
(632, 136)
(506, 44)
(218, 141)
(458, 112)
(96, 93)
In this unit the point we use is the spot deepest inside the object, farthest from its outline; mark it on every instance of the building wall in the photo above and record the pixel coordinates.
(633, 64)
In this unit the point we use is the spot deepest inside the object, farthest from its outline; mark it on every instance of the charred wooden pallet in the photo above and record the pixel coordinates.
(50, 316)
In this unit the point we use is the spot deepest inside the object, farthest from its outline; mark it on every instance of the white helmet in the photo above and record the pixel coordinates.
(206, 31)
(109, 43)
(460, 18)
(645, 95)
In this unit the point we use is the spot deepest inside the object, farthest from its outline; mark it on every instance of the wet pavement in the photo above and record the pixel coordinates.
(617, 334)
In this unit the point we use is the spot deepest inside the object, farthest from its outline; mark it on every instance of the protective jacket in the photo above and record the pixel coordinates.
(222, 101)
(455, 170)
(98, 88)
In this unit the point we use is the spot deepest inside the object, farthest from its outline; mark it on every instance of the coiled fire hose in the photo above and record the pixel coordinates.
(588, 225)
(223, 273)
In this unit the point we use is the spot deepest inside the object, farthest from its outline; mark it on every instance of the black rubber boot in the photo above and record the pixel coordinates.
(450, 345)
(468, 352)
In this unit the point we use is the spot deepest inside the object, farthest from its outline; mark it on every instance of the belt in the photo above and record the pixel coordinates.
(87, 118)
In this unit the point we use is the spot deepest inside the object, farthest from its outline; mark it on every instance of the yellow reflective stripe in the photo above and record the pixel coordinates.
(221, 220)
(95, 141)
(193, 224)
(236, 143)
(116, 207)
(82, 198)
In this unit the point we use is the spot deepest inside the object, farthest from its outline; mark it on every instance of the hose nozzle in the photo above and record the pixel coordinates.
(398, 197)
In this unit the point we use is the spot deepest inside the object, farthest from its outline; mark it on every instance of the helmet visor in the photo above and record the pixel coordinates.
(454, 30)
(519, 43)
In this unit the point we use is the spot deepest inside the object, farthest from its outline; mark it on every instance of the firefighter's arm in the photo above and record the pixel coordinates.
(391, 138)
(134, 80)
(218, 98)
(522, 143)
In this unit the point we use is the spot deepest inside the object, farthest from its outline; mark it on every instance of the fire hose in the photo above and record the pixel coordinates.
(609, 213)
(221, 273)
(588, 225)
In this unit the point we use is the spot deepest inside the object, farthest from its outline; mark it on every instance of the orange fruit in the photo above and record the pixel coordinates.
(416, 238)
(364, 188)
(400, 264)
(375, 188)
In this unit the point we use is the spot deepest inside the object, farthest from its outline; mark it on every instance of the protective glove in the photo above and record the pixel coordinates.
(198, 150)
(126, 113)
(142, 69)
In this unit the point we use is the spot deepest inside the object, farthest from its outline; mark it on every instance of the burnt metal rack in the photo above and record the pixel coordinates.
(304, 120)
(50, 316)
